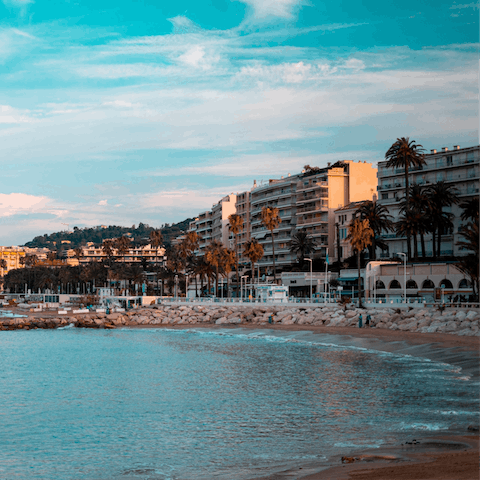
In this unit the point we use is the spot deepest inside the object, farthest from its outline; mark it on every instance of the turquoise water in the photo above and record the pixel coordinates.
(203, 404)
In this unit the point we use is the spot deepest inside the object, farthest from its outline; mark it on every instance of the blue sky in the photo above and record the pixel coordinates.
(120, 112)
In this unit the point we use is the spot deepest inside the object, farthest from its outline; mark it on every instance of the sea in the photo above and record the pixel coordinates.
(208, 403)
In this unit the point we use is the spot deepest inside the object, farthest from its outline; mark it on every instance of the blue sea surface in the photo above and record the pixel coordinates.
(208, 403)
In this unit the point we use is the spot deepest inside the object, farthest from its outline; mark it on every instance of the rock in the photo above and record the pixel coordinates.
(473, 428)
(471, 315)
(460, 316)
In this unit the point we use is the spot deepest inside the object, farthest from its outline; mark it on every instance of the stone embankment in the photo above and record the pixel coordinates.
(457, 322)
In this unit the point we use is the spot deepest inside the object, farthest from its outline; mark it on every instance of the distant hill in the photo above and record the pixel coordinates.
(81, 236)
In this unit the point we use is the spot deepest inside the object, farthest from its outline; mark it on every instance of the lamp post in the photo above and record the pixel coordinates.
(241, 281)
(375, 289)
(176, 287)
(326, 273)
(404, 276)
(186, 287)
(311, 265)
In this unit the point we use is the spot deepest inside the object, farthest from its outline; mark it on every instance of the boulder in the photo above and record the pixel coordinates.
(460, 316)
(471, 315)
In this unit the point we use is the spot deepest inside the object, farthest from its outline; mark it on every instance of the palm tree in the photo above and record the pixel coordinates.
(78, 253)
(419, 207)
(441, 195)
(378, 219)
(469, 264)
(213, 256)
(107, 248)
(229, 259)
(271, 220)
(235, 226)
(254, 252)
(470, 209)
(360, 236)
(156, 241)
(302, 244)
(122, 245)
(405, 154)
(408, 226)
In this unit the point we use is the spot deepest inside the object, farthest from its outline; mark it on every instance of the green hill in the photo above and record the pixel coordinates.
(81, 236)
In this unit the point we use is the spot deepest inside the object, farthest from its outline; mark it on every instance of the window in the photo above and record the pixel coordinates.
(449, 161)
(379, 285)
(470, 157)
(384, 196)
(464, 283)
(394, 284)
(446, 283)
(412, 284)
(428, 284)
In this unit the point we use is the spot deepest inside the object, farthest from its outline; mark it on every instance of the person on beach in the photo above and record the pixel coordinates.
(360, 321)
(367, 322)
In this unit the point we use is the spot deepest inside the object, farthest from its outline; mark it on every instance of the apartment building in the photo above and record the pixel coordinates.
(281, 194)
(343, 217)
(242, 207)
(458, 167)
(220, 213)
(322, 191)
(12, 257)
(92, 253)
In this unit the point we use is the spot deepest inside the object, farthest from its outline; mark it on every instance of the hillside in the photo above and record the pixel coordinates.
(80, 236)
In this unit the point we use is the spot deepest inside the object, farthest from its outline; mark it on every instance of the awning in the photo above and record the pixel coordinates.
(347, 279)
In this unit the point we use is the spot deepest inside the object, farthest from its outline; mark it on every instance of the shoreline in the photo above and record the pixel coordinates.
(436, 457)
(408, 463)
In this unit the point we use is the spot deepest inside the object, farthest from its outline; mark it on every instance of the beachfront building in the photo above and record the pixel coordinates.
(278, 193)
(220, 213)
(242, 207)
(320, 192)
(439, 282)
(458, 167)
(203, 227)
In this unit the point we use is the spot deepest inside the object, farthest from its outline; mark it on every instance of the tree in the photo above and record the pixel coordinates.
(122, 245)
(469, 265)
(254, 252)
(407, 226)
(418, 214)
(441, 195)
(405, 154)
(360, 237)
(235, 226)
(378, 219)
(214, 257)
(229, 259)
(271, 220)
(78, 253)
(156, 241)
(470, 209)
(302, 244)
(107, 248)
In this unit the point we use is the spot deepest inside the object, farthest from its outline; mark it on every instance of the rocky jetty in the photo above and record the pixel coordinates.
(451, 321)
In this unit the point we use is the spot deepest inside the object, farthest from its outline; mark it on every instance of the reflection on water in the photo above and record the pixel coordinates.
(159, 404)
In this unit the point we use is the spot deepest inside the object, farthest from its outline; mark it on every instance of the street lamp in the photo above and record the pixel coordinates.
(404, 275)
(311, 265)
(241, 286)
(186, 287)
(176, 287)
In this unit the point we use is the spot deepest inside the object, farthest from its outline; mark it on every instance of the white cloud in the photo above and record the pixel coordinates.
(15, 203)
(103, 202)
(264, 9)
(9, 114)
(193, 57)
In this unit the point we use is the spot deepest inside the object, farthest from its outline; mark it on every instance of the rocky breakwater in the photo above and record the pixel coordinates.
(456, 322)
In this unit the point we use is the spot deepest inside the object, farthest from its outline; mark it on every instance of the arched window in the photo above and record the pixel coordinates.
(464, 283)
(412, 284)
(395, 284)
(379, 285)
(428, 284)
(446, 283)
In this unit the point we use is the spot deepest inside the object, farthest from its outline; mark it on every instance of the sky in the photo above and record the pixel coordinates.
(121, 112)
